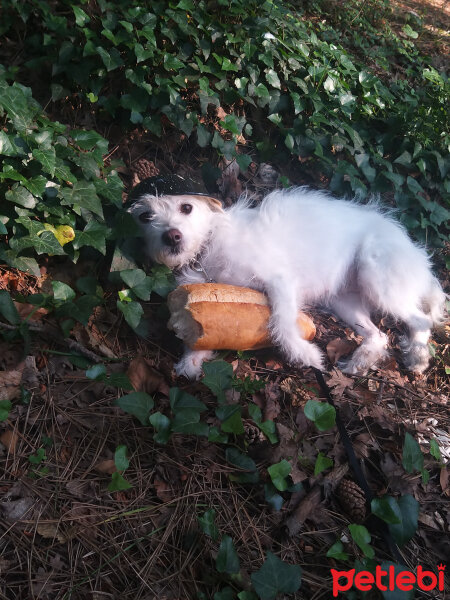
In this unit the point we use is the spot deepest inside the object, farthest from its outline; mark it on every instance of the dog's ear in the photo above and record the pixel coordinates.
(214, 204)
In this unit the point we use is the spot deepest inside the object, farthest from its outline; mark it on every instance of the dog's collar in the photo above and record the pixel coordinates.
(196, 265)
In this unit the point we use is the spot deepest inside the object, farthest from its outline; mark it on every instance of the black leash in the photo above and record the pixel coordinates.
(378, 524)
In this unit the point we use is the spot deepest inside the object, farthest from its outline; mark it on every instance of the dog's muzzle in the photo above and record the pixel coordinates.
(172, 238)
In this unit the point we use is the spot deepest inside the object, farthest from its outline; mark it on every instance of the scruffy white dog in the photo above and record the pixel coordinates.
(301, 247)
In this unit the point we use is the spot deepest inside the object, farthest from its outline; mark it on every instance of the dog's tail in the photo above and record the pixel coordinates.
(435, 301)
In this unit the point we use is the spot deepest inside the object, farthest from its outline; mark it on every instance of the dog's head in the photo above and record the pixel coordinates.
(175, 227)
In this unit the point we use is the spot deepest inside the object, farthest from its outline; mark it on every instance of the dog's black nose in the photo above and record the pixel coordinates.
(172, 237)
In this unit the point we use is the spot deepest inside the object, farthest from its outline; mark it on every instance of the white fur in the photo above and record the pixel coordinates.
(303, 247)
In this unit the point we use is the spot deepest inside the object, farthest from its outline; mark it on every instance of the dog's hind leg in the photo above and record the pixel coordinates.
(285, 304)
(349, 306)
(395, 277)
(414, 346)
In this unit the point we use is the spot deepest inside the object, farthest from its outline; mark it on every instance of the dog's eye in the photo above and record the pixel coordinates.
(145, 217)
(186, 209)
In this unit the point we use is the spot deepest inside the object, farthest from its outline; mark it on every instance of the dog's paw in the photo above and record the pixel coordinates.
(307, 355)
(417, 357)
(190, 365)
(365, 357)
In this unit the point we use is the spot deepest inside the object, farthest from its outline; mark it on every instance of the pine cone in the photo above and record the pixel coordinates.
(299, 395)
(252, 433)
(352, 499)
(142, 169)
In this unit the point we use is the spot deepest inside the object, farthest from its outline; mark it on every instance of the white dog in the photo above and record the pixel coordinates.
(301, 248)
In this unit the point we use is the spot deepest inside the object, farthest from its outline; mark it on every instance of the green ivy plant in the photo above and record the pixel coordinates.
(289, 88)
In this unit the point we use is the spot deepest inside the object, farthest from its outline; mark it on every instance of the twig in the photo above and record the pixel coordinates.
(58, 339)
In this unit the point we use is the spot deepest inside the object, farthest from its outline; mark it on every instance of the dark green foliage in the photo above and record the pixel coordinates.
(302, 92)
(50, 178)
(275, 576)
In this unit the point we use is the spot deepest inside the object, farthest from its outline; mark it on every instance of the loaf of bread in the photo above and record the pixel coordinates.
(216, 316)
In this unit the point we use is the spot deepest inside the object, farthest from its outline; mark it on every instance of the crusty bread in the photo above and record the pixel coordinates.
(216, 316)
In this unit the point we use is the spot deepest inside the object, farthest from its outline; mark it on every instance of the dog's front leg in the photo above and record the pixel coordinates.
(190, 364)
(285, 304)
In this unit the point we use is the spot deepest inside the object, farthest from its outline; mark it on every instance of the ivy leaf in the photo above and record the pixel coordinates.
(322, 463)
(362, 538)
(410, 32)
(172, 63)
(278, 474)
(94, 235)
(132, 311)
(227, 560)
(46, 243)
(88, 139)
(337, 551)
(162, 425)
(322, 414)
(181, 400)
(273, 79)
(227, 593)
(21, 196)
(412, 457)
(163, 280)
(207, 525)
(47, 158)
(36, 185)
(230, 417)
(120, 458)
(81, 18)
(275, 577)
(83, 194)
(244, 161)
(218, 377)
(8, 309)
(408, 512)
(118, 483)
(387, 509)
(96, 372)
(396, 593)
(272, 497)
(244, 463)
(23, 263)
(5, 409)
(203, 136)
(138, 404)
(188, 421)
(435, 451)
(62, 292)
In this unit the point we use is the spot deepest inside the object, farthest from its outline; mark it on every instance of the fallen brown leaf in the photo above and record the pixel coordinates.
(29, 311)
(81, 488)
(51, 531)
(338, 348)
(106, 466)
(10, 383)
(339, 382)
(145, 378)
(30, 379)
(304, 510)
(163, 490)
(9, 439)
(272, 405)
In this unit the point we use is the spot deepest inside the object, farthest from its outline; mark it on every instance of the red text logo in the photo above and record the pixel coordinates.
(388, 579)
